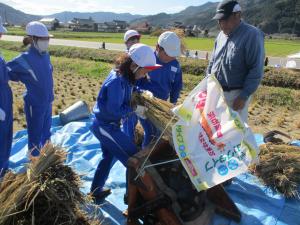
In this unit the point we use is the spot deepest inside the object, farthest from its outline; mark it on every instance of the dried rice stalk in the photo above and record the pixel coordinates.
(159, 113)
(279, 168)
(48, 193)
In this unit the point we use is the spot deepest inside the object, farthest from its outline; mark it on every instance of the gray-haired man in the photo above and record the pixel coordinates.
(238, 57)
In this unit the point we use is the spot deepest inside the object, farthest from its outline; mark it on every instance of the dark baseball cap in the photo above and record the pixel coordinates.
(226, 8)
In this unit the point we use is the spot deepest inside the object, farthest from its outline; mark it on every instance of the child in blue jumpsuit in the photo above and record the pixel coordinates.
(6, 115)
(166, 82)
(34, 69)
(113, 104)
(131, 37)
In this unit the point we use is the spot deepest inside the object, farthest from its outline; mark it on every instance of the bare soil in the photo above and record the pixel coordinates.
(70, 88)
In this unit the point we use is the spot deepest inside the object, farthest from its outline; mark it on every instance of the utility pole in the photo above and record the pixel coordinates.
(5, 17)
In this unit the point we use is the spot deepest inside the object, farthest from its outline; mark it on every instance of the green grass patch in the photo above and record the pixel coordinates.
(68, 33)
(8, 54)
(281, 47)
(74, 66)
(274, 47)
(81, 67)
(278, 96)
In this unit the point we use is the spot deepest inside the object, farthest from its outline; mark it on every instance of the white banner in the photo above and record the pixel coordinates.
(211, 140)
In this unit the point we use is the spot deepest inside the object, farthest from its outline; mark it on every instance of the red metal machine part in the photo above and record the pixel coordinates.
(164, 195)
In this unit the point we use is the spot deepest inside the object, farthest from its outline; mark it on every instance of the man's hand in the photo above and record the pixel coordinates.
(238, 104)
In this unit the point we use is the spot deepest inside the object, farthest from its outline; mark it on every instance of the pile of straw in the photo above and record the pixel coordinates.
(48, 193)
(279, 168)
(158, 112)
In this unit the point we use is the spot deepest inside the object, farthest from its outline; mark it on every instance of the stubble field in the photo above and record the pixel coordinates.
(275, 105)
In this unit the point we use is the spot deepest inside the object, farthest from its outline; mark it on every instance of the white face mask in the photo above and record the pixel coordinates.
(42, 45)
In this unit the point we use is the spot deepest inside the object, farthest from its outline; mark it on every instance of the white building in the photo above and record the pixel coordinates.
(50, 23)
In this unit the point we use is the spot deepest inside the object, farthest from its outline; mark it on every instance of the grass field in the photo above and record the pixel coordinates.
(8, 55)
(75, 79)
(274, 47)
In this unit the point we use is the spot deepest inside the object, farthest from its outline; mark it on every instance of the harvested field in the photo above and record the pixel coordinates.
(74, 80)
(263, 115)
(271, 108)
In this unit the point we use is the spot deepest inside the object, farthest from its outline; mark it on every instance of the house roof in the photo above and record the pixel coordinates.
(48, 19)
(119, 21)
(83, 20)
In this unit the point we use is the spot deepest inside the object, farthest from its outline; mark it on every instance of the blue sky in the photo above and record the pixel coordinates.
(144, 7)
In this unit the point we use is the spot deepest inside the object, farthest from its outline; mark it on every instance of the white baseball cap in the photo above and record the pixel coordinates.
(38, 29)
(2, 28)
(143, 56)
(171, 43)
(130, 34)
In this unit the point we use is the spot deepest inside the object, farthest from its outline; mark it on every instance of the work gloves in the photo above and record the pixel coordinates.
(148, 94)
(140, 111)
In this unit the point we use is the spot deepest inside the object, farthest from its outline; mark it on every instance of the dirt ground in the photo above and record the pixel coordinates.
(265, 118)
(69, 89)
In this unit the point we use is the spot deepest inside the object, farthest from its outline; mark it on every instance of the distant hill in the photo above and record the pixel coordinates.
(17, 17)
(97, 16)
(14, 16)
(272, 16)
(193, 15)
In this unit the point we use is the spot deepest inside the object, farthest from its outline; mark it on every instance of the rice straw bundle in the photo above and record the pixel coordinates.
(279, 168)
(138, 135)
(158, 112)
(48, 193)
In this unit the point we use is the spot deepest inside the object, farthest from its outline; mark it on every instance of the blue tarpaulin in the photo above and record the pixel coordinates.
(258, 203)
